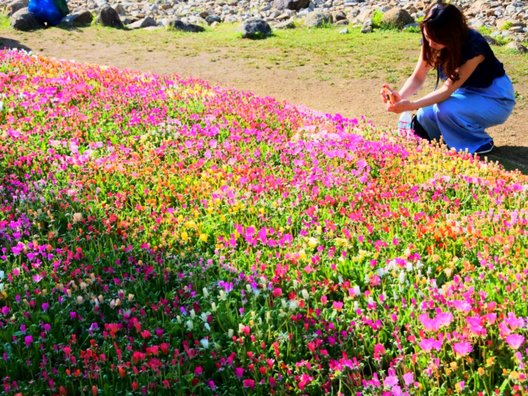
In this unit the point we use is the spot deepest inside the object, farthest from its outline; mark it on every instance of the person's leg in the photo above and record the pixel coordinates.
(463, 118)
(426, 117)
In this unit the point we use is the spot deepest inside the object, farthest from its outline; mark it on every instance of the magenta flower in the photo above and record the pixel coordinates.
(462, 348)
(428, 344)
(28, 340)
(434, 324)
(390, 381)
(515, 340)
(304, 381)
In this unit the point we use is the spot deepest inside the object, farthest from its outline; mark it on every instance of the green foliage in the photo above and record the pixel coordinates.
(4, 21)
(506, 26)
(376, 18)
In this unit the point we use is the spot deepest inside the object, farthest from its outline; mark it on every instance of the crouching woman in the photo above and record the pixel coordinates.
(475, 94)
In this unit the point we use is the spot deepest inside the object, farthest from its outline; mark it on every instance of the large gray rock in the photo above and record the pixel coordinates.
(288, 24)
(517, 47)
(317, 19)
(15, 5)
(397, 17)
(291, 4)
(25, 21)
(78, 19)
(143, 23)
(256, 28)
(109, 17)
(210, 19)
(178, 24)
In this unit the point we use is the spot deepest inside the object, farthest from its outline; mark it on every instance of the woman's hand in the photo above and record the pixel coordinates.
(388, 95)
(401, 106)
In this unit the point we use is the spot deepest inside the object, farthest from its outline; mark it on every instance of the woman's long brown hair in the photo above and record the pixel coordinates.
(445, 24)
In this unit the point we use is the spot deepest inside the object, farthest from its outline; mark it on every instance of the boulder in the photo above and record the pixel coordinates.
(295, 5)
(288, 24)
(367, 27)
(517, 47)
(256, 28)
(15, 5)
(143, 23)
(178, 24)
(78, 19)
(109, 17)
(397, 17)
(317, 19)
(25, 21)
(210, 19)
(339, 16)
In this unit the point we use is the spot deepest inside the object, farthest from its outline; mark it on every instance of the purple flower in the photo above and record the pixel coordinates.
(28, 340)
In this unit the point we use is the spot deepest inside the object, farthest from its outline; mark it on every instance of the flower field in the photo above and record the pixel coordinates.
(164, 236)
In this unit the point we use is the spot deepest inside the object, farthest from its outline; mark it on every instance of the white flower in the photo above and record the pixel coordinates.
(189, 325)
(204, 342)
(401, 278)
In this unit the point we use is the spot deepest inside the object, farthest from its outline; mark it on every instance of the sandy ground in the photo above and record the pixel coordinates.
(351, 98)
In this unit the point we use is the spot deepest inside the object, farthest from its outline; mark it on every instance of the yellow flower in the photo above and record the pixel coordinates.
(184, 236)
(203, 237)
(312, 242)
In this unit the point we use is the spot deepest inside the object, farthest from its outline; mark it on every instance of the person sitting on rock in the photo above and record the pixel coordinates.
(476, 92)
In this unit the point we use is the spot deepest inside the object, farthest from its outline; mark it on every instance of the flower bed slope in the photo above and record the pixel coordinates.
(166, 236)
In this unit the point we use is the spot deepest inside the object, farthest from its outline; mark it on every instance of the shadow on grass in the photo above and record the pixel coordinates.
(6, 43)
(511, 157)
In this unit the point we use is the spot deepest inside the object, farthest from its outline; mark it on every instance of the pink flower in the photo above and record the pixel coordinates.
(515, 340)
(246, 330)
(277, 292)
(462, 348)
(408, 378)
(434, 324)
(462, 305)
(379, 350)
(428, 344)
(239, 372)
(304, 380)
(249, 383)
(390, 381)
(444, 318)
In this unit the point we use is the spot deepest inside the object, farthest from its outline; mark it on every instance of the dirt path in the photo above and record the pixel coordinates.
(351, 98)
